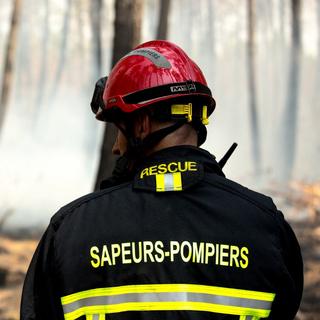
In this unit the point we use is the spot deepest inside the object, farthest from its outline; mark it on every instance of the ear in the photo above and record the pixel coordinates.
(142, 125)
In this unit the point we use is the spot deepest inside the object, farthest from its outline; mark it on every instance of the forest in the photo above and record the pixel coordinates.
(261, 59)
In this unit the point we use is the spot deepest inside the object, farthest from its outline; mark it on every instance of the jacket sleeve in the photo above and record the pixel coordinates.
(290, 293)
(40, 297)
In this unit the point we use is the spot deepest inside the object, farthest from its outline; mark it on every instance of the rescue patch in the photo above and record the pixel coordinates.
(169, 176)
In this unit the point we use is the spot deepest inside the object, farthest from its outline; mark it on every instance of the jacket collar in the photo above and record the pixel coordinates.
(144, 175)
(174, 169)
(184, 153)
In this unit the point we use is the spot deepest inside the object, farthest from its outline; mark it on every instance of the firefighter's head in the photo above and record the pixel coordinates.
(154, 92)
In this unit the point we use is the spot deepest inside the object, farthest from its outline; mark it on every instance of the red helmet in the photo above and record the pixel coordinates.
(153, 72)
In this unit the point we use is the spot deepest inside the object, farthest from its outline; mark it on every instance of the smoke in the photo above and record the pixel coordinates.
(43, 168)
(46, 164)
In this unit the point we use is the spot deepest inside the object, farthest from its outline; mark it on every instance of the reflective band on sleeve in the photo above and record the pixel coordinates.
(168, 297)
(169, 182)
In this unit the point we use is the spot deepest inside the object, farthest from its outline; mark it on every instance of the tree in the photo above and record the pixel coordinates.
(127, 30)
(211, 29)
(10, 54)
(80, 47)
(317, 81)
(162, 32)
(44, 60)
(23, 67)
(63, 51)
(208, 38)
(282, 12)
(95, 14)
(318, 15)
(289, 120)
(251, 61)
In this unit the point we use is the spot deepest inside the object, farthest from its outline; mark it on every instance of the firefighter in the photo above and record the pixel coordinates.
(168, 236)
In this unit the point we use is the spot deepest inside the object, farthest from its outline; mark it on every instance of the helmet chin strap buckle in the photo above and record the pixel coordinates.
(185, 110)
(204, 118)
(182, 110)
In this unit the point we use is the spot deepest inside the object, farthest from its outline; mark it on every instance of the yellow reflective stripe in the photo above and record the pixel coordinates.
(160, 182)
(166, 306)
(177, 183)
(149, 288)
(249, 318)
(158, 297)
(168, 182)
(96, 316)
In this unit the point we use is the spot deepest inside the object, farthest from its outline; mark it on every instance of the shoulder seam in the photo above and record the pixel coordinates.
(243, 196)
(100, 194)
(77, 203)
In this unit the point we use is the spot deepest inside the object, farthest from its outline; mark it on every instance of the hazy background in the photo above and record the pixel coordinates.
(261, 59)
(50, 140)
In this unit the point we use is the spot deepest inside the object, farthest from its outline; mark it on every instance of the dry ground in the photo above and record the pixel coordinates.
(15, 257)
(308, 234)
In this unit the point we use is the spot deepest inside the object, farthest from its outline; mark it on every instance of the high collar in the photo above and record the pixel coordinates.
(206, 161)
(184, 152)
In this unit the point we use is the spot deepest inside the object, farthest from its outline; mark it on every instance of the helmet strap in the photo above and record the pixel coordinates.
(137, 146)
(201, 131)
(136, 149)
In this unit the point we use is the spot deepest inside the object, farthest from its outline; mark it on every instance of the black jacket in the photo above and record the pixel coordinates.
(179, 241)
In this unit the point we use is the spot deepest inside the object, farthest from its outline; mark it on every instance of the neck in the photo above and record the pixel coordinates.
(185, 135)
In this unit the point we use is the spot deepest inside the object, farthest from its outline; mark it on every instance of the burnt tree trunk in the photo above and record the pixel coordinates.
(96, 24)
(79, 9)
(63, 51)
(316, 103)
(162, 32)
(318, 16)
(44, 61)
(10, 53)
(211, 29)
(95, 14)
(23, 69)
(282, 18)
(289, 120)
(127, 30)
(251, 60)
